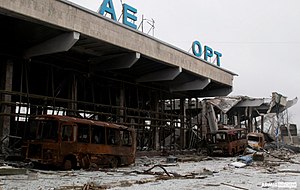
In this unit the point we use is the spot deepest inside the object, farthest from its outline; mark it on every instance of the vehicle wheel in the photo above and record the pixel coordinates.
(209, 152)
(68, 164)
(233, 152)
(85, 162)
(114, 162)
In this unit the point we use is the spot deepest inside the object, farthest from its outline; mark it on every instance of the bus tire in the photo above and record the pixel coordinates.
(85, 162)
(69, 163)
(233, 152)
(114, 162)
(209, 152)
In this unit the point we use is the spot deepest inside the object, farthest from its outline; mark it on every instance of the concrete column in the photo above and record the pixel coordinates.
(262, 123)
(122, 104)
(239, 119)
(182, 125)
(251, 128)
(156, 138)
(73, 95)
(6, 109)
(204, 119)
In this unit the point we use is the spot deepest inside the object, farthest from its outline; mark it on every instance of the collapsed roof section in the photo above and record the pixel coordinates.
(277, 104)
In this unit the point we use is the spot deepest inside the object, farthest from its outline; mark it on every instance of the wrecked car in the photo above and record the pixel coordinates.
(226, 142)
(69, 142)
(256, 140)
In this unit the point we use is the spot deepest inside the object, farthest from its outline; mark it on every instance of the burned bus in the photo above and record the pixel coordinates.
(226, 142)
(70, 142)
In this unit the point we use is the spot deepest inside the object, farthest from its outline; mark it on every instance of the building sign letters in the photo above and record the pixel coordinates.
(129, 12)
(208, 52)
(107, 7)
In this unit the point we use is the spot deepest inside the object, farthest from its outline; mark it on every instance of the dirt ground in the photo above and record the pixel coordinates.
(189, 172)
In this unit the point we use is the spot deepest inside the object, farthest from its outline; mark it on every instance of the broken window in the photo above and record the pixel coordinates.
(126, 138)
(113, 136)
(31, 131)
(67, 133)
(221, 137)
(22, 111)
(55, 110)
(46, 129)
(253, 138)
(211, 138)
(98, 134)
(232, 137)
(84, 133)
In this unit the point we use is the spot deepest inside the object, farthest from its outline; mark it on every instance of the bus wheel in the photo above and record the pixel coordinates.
(67, 164)
(209, 152)
(114, 162)
(233, 152)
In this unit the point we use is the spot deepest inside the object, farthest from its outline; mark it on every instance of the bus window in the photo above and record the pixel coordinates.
(98, 135)
(31, 132)
(45, 130)
(126, 138)
(221, 137)
(83, 133)
(113, 136)
(67, 133)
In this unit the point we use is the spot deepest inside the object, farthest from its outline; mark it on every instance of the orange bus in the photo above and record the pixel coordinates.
(226, 142)
(70, 142)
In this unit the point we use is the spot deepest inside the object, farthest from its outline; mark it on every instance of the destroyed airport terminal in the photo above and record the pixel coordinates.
(60, 59)
(78, 63)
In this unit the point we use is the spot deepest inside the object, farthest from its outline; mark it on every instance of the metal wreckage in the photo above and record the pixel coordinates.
(228, 125)
(241, 121)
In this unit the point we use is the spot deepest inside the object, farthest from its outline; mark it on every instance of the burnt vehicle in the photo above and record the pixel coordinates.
(226, 142)
(69, 142)
(256, 140)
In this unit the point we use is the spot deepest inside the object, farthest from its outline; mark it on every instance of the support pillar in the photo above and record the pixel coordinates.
(251, 128)
(122, 104)
(6, 109)
(262, 123)
(73, 96)
(239, 119)
(157, 128)
(183, 124)
(204, 125)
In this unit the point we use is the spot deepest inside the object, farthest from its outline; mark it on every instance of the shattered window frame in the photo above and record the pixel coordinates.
(67, 134)
(113, 136)
(126, 137)
(98, 134)
(83, 135)
(47, 130)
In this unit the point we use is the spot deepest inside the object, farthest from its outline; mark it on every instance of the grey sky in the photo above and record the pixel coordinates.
(259, 39)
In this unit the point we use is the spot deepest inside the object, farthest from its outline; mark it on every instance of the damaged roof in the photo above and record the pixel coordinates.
(278, 103)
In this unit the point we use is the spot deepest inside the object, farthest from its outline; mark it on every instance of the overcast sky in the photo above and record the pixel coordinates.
(259, 39)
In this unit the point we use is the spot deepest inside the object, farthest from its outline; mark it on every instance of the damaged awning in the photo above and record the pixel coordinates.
(225, 103)
(278, 103)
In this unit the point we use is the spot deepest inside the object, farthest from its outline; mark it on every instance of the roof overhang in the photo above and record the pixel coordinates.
(61, 32)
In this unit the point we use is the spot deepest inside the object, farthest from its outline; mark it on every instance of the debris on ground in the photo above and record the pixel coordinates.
(238, 164)
(9, 170)
(245, 159)
(156, 173)
(171, 159)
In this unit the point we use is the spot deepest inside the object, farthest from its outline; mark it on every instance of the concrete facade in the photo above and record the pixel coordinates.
(69, 17)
